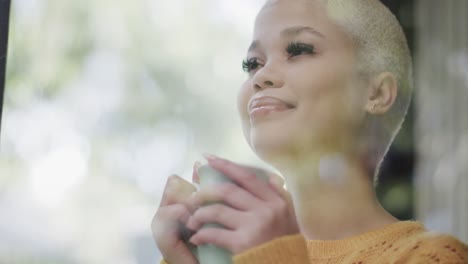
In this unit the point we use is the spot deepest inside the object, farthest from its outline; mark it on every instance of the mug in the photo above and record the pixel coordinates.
(211, 254)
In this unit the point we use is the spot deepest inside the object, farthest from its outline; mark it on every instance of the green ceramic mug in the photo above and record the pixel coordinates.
(211, 254)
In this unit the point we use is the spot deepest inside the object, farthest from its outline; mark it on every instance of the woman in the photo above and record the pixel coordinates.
(328, 88)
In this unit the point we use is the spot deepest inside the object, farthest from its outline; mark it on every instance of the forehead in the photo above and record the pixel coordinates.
(278, 15)
(291, 11)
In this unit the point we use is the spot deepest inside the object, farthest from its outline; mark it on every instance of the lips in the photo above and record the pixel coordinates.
(267, 102)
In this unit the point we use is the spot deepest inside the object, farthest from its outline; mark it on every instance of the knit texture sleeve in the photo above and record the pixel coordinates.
(289, 249)
(437, 249)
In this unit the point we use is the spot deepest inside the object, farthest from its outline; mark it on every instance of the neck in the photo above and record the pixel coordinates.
(333, 196)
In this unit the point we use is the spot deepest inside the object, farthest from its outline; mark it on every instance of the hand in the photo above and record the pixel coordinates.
(169, 222)
(253, 210)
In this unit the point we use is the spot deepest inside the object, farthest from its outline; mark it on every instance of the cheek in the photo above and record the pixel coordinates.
(337, 114)
(243, 97)
(327, 100)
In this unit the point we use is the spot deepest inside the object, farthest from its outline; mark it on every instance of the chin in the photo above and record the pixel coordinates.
(270, 146)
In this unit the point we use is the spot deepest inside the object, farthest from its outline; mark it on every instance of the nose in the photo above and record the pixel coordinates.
(267, 77)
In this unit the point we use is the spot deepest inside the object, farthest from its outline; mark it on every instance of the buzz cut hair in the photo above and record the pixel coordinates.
(381, 46)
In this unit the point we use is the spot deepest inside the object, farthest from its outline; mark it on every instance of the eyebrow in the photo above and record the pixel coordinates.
(291, 32)
(294, 31)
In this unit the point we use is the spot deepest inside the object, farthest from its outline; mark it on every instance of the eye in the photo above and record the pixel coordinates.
(250, 64)
(296, 49)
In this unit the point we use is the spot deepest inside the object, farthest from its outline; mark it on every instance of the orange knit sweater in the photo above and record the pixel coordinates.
(401, 242)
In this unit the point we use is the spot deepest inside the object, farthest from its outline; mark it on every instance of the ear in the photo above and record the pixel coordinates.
(382, 94)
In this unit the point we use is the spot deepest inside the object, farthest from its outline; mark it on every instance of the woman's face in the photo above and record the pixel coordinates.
(303, 65)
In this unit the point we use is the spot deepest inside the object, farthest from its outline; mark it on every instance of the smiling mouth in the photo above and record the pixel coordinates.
(267, 101)
(265, 110)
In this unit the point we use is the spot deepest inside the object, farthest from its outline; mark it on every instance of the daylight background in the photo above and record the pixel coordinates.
(105, 99)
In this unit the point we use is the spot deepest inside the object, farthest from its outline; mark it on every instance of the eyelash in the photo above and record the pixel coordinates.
(297, 48)
(249, 64)
(293, 49)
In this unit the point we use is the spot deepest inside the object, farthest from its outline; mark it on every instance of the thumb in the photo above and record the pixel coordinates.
(276, 180)
(277, 183)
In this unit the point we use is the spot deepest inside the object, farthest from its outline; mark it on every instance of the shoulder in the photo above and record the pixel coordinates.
(432, 247)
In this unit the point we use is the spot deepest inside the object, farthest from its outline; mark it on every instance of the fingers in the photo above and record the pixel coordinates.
(227, 193)
(276, 179)
(217, 236)
(167, 232)
(216, 213)
(168, 224)
(169, 215)
(177, 190)
(242, 175)
(276, 182)
(253, 208)
(195, 176)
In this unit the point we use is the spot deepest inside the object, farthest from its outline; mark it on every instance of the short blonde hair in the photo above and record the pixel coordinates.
(381, 47)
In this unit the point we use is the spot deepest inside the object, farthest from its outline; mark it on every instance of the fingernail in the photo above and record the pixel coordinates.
(210, 157)
(277, 180)
(196, 165)
(193, 241)
(173, 178)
